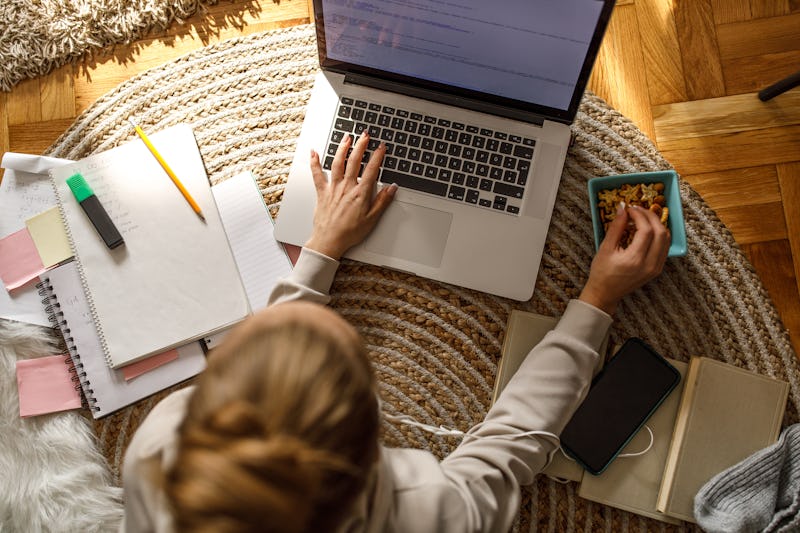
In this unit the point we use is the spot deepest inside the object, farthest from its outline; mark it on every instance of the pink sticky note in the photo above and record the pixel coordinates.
(146, 365)
(45, 386)
(19, 259)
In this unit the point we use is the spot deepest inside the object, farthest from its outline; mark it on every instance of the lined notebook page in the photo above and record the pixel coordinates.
(174, 280)
(260, 258)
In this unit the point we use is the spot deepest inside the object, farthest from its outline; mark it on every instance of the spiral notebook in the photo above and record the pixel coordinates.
(106, 390)
(175, 279)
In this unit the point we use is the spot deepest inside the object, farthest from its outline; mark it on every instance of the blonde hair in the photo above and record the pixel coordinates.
(280, 435)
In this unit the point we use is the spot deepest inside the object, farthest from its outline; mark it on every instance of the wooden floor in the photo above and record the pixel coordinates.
(685, 71)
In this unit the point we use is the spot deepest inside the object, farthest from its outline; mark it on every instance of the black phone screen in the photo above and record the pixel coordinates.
(621, 399)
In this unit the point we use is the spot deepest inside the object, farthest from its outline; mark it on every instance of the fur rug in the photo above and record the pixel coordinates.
(37, 36)
(54, 478)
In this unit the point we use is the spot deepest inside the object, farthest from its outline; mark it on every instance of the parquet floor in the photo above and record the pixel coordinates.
(685, 71)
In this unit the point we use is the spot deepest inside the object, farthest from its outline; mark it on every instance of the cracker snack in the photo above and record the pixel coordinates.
(647, 195)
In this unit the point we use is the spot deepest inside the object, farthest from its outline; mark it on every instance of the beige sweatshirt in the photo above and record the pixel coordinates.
(475, 488)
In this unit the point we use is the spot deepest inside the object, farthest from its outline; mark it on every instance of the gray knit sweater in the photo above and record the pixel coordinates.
(762, 493)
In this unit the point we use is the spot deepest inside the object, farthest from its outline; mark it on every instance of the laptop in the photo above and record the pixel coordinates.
(474, 100)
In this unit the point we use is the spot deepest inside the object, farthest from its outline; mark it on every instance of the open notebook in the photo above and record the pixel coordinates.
(174, 280)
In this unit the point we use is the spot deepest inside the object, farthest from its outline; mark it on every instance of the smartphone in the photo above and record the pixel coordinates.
(621, 398)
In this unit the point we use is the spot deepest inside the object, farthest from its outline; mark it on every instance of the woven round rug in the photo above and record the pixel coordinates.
(435, 347)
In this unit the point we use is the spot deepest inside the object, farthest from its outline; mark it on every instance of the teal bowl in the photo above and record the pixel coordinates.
(672, 196)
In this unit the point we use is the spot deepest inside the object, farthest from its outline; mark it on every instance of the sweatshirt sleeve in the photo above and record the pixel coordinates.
(482, 477)
(150, 453)
(310, 280)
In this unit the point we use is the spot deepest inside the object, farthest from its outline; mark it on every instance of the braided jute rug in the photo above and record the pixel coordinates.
(435, 347)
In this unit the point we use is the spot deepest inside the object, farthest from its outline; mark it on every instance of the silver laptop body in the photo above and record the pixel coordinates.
(460, 71)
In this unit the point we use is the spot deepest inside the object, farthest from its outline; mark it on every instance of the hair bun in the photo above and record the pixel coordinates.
(236, 418)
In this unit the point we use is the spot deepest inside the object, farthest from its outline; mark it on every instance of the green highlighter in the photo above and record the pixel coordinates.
(94, 210)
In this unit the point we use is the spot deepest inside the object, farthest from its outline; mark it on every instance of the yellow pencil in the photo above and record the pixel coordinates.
(168, 170)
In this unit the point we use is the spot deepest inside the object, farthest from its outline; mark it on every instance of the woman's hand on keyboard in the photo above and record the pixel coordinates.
(347, 207)
(617, 271)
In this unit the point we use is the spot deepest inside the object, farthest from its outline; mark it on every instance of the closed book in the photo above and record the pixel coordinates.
(726, 414)
(632, 483)
(524, 331)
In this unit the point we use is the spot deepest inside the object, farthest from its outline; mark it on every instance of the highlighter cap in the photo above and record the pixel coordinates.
(79, 187)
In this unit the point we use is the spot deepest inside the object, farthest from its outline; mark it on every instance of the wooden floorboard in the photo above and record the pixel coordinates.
(759, 36)
(727, 11)
(685, 71)
(694, 155)
(727, 114)
(761, 218)
(661, 51)
(772, 261)
(753, 73)
(619, 74)
(725, 189)
(36, 137)
(697, 36)
(789, 182)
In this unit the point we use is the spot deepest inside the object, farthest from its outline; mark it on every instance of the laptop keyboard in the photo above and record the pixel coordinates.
(461, 162)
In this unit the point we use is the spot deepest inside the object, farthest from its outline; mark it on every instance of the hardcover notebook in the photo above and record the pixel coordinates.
(632, 483)
(105, 389)
(524, 331)
(726, 414)
(174, 280)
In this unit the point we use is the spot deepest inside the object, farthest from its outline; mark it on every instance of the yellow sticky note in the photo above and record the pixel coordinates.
(50, 237)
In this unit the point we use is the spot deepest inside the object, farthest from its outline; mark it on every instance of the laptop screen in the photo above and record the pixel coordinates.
(534, 54)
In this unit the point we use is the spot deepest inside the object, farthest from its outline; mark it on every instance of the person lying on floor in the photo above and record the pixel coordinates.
(281, 432)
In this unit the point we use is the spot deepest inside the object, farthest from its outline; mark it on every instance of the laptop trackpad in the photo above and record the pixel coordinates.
(412, 233)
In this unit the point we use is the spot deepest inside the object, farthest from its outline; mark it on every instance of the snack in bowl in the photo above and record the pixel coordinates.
(646, 195)
(665, 188)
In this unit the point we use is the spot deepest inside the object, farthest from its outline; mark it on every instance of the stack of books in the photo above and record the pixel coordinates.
(717, 416)
(170, 281)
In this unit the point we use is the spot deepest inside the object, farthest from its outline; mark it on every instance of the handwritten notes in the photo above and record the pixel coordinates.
(23, 195)
(45, 386)
(25, 191)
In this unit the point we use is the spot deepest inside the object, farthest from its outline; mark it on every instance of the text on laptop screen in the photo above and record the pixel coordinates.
(527, 50)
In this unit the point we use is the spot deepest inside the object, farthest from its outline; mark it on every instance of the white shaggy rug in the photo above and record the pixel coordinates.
(53, 477)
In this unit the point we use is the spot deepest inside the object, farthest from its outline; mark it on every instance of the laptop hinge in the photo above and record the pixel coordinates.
(444, 98)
